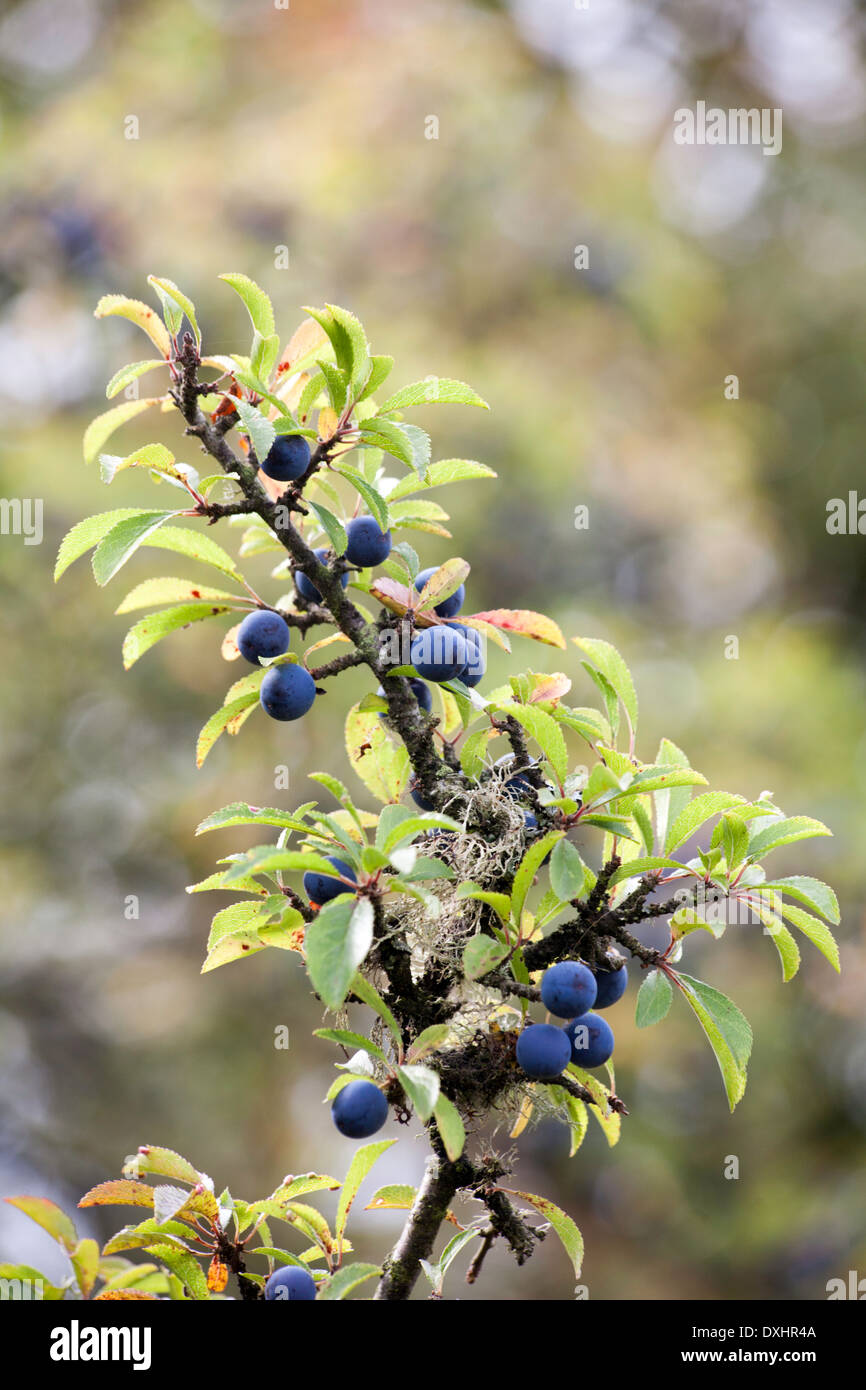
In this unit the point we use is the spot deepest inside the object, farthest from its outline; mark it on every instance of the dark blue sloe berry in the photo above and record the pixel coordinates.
(438, 653)
(368, 543)
(359, 1110)
(262, 634)
(568, 989)
(321, 888)
(591, 1040)
(543, 1051)
(305, 586)
(476, 666)
(516, 784)
(291, 1283)
(610, 986)
(287, 692)
(288, 458)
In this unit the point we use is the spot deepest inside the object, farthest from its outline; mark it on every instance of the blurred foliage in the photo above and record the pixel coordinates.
(261, 128)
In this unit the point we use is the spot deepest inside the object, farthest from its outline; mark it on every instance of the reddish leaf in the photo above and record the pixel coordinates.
(524, 621)
(122, 1294)
(123, 1192)
(398, 599)
(550, 687)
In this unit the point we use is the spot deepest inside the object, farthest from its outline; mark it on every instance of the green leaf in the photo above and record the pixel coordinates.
(429, 1040)
(186, 1267)
(784, 831)
(150, 630)
(654, 779)
(164, 1163)
(371, 997)
(696, 813)
(529, 866)
(374, 499)
(347, 1039)
(635, 868)
(450, 1126)
(433, 390)
(416, 825)
(727, 1030)
(263, 359)
(198, 546)
(333, 528)
(394, 1197)
(345, 1280)
(363, 1162)
(812, 927)
(156, 457)
(258, 304)
(100, 430)
(219, 721)
(562, 1224)
(50, 1217)
(38, 1285)
(131, 372)
(589, 723)
(421, 1085)
(653, 999)
(567, 873)
(810, 891)
(669, 802)
(547, 734)
(88, 533)
(733, 833)
(153, 592)
(269, 859)
(789, 953)
(439, 475)
(259, 428)
(578, 1119)
(500, 902)
(123, 540)
(239, 917)
(240, 813)
(390, 437)
(481, 954)
(614, 670)
(173, 300)
(380, 370)
(613, 825)
(348, 340)
(335, 944)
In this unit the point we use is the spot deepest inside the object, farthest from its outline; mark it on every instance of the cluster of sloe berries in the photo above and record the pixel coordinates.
(439, 653)
(571, 990)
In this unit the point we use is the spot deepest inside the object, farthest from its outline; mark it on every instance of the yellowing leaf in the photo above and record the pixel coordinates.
(550, 687)
(100, 430)
(524, 1116)
(49, 1216)
(229, 649)
(121, 1192)
(524, 621)
(138, 313)
(382, 766)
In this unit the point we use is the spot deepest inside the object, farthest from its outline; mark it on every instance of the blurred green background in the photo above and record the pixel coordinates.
(306, 127)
